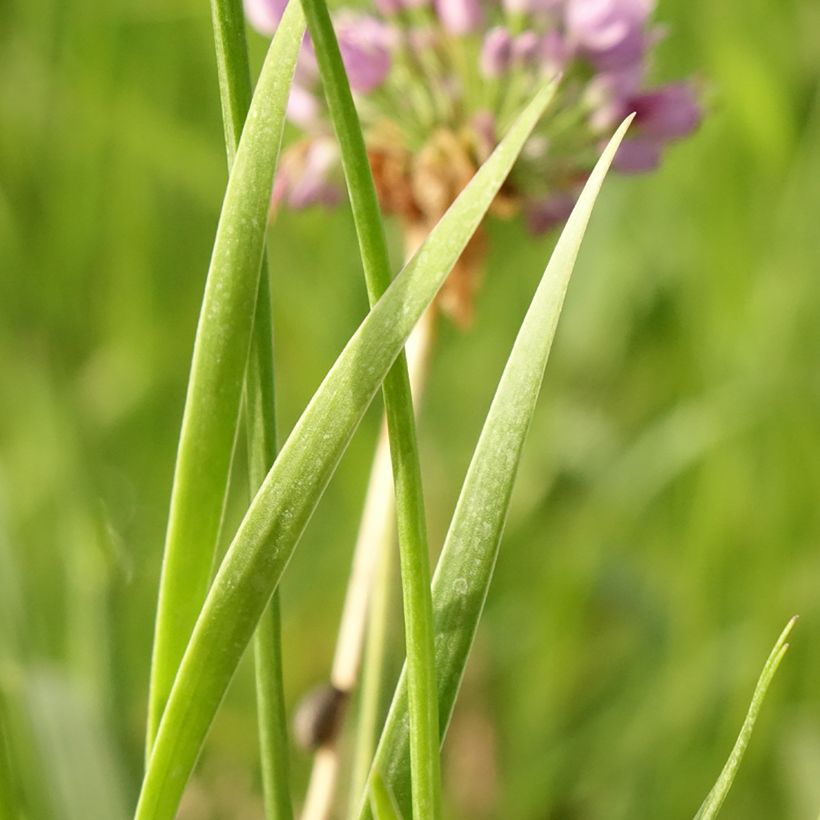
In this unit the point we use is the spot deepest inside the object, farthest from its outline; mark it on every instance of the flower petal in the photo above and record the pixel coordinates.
(264, 15)
(459, 16)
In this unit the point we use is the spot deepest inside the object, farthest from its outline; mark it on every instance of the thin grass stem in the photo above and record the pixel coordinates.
(369, 578)
(260, 423)
(412, 529)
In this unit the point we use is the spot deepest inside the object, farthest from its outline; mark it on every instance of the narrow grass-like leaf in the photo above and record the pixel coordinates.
(468, 558)
(714, 800)
(270, 698)
(401, 425)
(381, 801)
(274, 523)
(218, 370)
(232, 68)
(260, 423)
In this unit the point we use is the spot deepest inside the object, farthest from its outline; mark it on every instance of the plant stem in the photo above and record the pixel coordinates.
(419, 348)
(413, 549)
(372, 553)
(260, 422)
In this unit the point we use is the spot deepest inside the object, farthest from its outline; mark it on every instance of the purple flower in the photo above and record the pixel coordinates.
(264, 15)
(608, 33)
(637, 155)
(534, 7)
(365, 43)
(554, 52)
(391, 7)
(666, 113)
(610, 94)
(431, 125)
(459, 17)
(548, 213)
(496, 52)
(306, 175)
(526, 48)
(486, 134)
(304, 108)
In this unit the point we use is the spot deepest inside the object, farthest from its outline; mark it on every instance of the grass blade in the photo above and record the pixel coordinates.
(218, 371)
(468, 558)
(233, 69)
(401, 425)
(260, 423)
(274, 523)
(714, 800)
(381, 801)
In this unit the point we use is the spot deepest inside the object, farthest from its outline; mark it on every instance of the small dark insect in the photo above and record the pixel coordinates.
(319, 716)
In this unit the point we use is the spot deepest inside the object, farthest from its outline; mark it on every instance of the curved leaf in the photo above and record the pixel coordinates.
(274, 523)
(714, 800)
(223, 338)
(411, 522)
(467, 560)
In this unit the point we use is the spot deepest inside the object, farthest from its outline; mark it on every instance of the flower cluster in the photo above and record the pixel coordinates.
(437, 81)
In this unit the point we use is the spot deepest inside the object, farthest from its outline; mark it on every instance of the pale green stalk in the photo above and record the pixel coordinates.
(271, 528)
(714, 800)
(382, 802)
(468, 558)
(370, 708)
(260, 423)
(218, 371)
(398, 404)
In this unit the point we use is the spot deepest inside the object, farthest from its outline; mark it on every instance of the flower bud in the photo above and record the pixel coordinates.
(459, 17)
(496, 52)
(666, 113)
(609, 33)
(365, 43)
(637, 155)
(525, 48)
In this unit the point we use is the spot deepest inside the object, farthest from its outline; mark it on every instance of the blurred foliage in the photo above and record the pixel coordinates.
(666, 521)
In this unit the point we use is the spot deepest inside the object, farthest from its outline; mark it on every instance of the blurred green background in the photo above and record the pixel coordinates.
(666, 521)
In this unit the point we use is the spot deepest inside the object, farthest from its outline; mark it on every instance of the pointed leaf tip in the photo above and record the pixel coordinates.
(714, 800)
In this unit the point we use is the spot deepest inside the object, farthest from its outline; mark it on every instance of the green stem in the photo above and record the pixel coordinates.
(371, 715)
(260, 422)
(415, 562)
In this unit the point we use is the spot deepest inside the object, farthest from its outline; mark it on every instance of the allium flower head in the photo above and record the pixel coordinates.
(437, 82)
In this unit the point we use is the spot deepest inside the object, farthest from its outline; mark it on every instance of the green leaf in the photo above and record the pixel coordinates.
(260, 424)
(468, 558)
(382, 802)
(278, 515)
(218, 370)
(233, 70)
(714, 800)
(401, 425)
